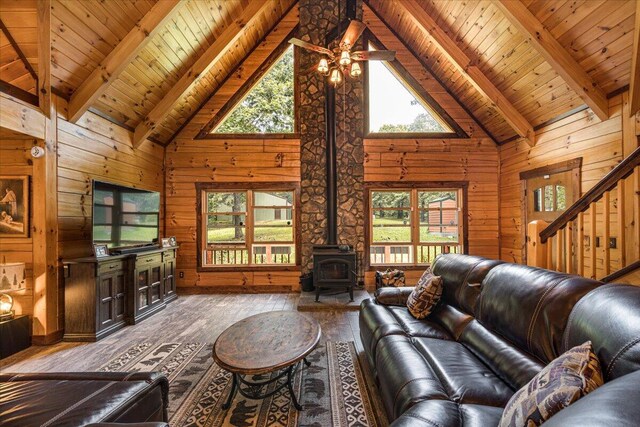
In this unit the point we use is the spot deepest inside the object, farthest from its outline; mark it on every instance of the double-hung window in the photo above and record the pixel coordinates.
(248, 227)
(411, 226)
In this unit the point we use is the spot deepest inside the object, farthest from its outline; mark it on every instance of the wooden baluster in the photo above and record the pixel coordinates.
(580, 238)
(621, 220)
(592, 242)
(606, 213)
(550, 254)
(568, 251)
(558, 247)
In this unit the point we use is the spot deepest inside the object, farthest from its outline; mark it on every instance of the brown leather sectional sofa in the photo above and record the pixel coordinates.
(102, 399)
(497, 325)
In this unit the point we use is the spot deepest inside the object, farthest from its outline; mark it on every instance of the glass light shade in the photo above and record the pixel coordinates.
(6, 305)
(323, 66)
(355, 70)
(336, 76)
(345, 58)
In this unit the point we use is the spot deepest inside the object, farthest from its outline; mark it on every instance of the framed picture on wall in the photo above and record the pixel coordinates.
(14, 206)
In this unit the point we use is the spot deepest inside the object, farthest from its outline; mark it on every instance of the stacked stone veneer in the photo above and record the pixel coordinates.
(317, 18)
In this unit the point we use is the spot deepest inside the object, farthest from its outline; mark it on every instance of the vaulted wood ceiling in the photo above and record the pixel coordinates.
(94, 37)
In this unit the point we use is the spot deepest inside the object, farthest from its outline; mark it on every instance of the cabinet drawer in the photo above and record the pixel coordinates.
(110, 266)
(169, 255)
(145, 260)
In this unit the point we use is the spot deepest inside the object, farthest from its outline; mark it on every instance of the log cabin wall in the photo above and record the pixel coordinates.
(94, 148)
(190, 160)
(601, 144)
(15, 159)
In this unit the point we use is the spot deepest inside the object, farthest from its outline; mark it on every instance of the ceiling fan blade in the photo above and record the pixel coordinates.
(305, 45)
(353, 33)
(374, 55)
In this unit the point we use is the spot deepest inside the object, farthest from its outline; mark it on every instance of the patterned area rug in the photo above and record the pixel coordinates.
(333, 390)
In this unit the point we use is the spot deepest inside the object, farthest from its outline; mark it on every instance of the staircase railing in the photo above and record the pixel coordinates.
(598, 234)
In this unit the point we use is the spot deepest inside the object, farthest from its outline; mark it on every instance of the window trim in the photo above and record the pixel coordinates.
(463, 186)
(414, 87)
(243, 91)
(202, 187)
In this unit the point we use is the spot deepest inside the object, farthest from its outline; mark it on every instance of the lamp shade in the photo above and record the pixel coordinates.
(12, 277)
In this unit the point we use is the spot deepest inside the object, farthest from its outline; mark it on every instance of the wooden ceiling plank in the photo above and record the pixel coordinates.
(111, 67)
(635, 66)
(553, 52)
(44, 56)
(199, 69)
(464, 64)
(17, 49)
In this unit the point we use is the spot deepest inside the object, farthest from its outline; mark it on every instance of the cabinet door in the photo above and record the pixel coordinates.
(169, 277)
(143, 297)
(119, 306)
(106, 301)
(156, 289)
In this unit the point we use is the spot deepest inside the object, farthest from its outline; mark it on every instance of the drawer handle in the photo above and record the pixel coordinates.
(112, 266)
(149, 260)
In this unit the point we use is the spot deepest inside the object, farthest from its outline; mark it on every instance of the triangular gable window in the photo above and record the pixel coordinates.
(396, 107)
(268, 107)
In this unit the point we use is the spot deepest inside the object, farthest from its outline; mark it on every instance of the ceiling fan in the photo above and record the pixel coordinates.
(339, 58)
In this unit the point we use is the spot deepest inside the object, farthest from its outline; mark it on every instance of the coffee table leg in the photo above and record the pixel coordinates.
(306, 362)
(290, 386)
(234, 385)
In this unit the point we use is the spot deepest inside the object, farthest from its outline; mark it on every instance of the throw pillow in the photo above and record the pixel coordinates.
(425, 295)
(563, 381)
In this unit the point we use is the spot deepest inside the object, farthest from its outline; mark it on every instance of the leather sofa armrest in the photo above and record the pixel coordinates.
(147, 424)
(393, 296)
(149, 377)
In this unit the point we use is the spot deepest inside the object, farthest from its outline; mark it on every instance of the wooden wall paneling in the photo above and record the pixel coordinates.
(635, 66)
(581, 134)
(117, 60)
(250, 16)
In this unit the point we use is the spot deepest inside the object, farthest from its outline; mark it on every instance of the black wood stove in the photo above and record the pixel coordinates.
(334, 267)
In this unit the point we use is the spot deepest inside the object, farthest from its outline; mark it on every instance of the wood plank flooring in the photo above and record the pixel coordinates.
(192, 318)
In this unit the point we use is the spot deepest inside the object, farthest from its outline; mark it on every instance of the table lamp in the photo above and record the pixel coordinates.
(12, 278)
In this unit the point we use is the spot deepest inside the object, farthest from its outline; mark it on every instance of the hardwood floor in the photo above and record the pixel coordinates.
(192, 318)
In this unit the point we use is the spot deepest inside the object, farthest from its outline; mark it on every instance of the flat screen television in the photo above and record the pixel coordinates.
(123, 216)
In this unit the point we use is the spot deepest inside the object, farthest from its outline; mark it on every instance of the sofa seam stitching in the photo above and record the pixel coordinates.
(75, 405)
(418, 417)
(536, 312)
(395, 398)
(620, 353)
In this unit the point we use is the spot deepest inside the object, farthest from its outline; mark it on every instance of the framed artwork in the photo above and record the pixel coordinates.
(172, 241)
(100, 250)
(14, 206)
(166, 243)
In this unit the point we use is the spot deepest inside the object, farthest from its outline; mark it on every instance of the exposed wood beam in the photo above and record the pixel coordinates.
(467, 67)
(635, 66)
(114, 64)
(16, 47)
(556, 55)
(201, 67)
(44, 56)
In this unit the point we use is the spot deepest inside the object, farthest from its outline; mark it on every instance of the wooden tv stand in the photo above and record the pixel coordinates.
(103, 295)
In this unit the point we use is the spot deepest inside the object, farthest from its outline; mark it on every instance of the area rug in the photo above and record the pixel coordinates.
(333, 390)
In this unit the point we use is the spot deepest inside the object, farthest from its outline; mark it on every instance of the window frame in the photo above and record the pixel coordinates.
(230, 105)
(414, 188)
(414, 87)
(201, 242)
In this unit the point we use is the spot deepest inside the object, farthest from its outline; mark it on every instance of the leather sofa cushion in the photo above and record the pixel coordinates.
(443, 413)
(71, 403)
(451, 319)
(463, 376)
(613, 404)
(418, 327)
(458, 272)
(609, 317)
(511, 364)
(393, 296)
(530, 307)
(405, 376)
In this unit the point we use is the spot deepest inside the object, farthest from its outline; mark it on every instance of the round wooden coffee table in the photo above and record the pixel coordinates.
(262, 344)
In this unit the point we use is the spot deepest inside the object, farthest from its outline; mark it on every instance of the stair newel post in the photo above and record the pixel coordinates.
(536, 250)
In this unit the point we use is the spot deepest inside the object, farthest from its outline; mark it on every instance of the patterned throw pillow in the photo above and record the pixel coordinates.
(562, 382)
(425, 295)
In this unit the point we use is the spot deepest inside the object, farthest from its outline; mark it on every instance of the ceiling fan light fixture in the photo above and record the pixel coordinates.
(336, 76)
(323, 66)
(355, 70)
(345, 58)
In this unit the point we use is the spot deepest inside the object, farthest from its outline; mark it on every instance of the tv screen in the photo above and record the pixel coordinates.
(124, 216)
